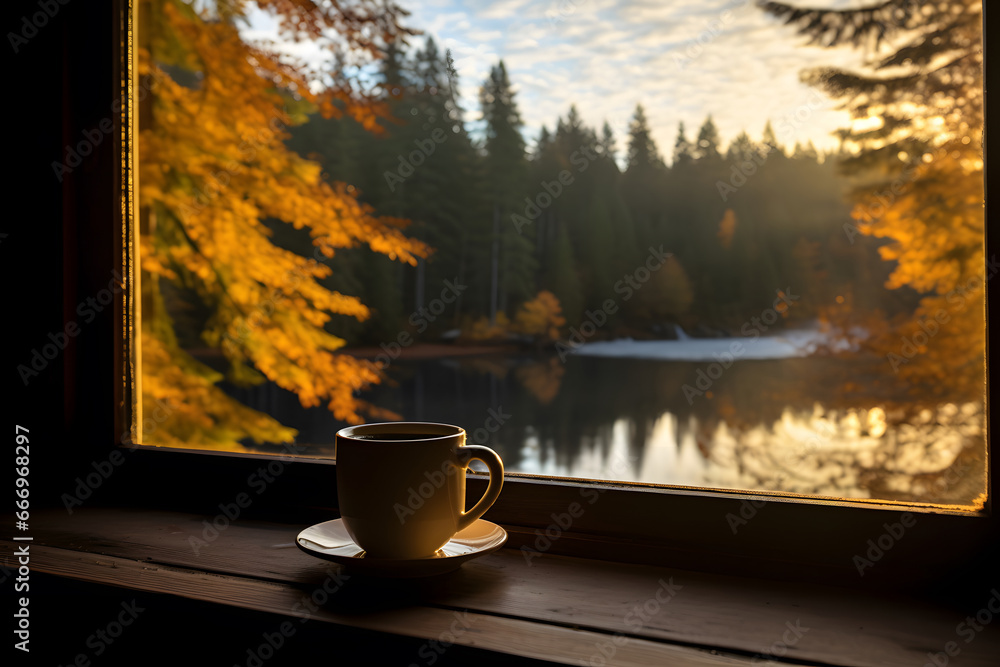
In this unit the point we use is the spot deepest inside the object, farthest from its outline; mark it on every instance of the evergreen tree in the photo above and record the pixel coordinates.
(382, 278)
(769, 139)
(742, 149)
(505, 171)
(608, 146)
(668, 295)
(642, 152)
(543, 143)
(573, 136)
(581, 215)
(643, 183)
(443, 193)
(927, 154)
(578, 244)
(561, 276)
(706, 146)
(682, 147)
(504, 143)
(805, 152)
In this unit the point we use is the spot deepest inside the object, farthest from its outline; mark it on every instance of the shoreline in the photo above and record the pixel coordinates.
(431, 350)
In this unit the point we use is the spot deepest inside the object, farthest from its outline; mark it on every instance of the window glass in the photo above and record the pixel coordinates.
(710, 244)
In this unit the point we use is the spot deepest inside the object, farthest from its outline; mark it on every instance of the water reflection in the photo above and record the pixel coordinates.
(781, 425)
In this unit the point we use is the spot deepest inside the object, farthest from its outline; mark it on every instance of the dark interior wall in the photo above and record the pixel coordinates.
(59, 169)
(58, 84)
(59, 88)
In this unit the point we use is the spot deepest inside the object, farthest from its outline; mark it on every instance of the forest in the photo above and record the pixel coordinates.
(575, 208)
(290, 219)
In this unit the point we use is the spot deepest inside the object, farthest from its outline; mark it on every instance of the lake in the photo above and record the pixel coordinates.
(798, 424)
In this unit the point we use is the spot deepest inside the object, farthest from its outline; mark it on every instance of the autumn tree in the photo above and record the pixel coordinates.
(541, 318)
(216, 178)
(917, 171)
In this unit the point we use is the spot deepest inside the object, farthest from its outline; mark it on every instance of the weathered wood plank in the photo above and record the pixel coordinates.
(518, 637)
(744, 615)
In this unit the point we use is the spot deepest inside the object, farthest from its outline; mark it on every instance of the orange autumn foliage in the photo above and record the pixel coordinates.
(542, 379)
(540, 318)
(933, 215)
(937, 229)
(213, 169)
(727, 228)
(914, 151)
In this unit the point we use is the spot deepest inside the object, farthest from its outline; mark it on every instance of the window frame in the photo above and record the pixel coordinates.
(784, 536)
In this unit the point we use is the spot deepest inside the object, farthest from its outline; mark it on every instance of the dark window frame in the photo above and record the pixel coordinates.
(786, 536)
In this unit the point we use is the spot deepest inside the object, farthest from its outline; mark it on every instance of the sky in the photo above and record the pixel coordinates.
(681, 59)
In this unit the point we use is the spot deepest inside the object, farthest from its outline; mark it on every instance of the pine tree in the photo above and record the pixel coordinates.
(543, 143)
(642, 152)
(805, 152)
(769, 139)
(667, 296)
(608, 146)
(643, 182)
(385, 155)
(443, 193)
(742, 149)
(504, 143)
(505, 172)
(706, 146)
(573, 136)
(919, 172)
(682, 147)
(561, 276)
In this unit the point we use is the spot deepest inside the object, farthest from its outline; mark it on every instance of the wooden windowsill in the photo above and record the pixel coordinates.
(557, 608)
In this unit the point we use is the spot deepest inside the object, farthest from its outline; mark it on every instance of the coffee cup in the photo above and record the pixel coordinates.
(401, 486)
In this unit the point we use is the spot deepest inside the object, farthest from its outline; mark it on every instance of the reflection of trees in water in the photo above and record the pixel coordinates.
(935, 457)
(819, 425)
(830, 425)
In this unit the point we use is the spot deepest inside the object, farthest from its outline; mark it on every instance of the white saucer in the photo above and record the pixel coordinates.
(331, 541)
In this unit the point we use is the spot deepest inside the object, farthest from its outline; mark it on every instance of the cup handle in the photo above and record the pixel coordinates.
(467, 453)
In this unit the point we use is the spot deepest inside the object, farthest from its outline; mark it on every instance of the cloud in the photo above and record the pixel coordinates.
(502, 9)
(682, 59)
